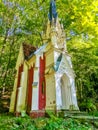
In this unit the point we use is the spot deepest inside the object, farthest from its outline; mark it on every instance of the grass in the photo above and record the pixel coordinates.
(9, 122)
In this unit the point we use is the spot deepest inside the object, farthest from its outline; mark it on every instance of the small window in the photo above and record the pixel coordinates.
(34, 85)
(43, 87)
(58, 62)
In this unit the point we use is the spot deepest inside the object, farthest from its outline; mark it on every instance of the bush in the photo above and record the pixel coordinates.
(52, 123)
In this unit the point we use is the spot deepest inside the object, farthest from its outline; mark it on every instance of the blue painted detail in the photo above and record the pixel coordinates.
(52, 10)
(58, 63)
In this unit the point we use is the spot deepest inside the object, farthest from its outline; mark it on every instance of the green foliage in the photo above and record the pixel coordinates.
(94, 113)
(53, 123)
(87, 105)
(85, 63)
(25, 20)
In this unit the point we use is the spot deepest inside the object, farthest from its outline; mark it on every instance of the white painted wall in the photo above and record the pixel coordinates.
(22, 79)
(58, 91)
(73, 92)
(35, 99)
(66, 92)
(69, 92)
(20, 91)
(18, 108)
(35, 91)
(50, 92)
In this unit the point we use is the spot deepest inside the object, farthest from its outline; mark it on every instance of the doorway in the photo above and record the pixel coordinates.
(66, 96)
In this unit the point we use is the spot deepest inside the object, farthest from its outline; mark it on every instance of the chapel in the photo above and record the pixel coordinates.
(45, 80)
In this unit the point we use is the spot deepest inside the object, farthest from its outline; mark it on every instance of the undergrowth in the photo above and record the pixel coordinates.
(8, 122)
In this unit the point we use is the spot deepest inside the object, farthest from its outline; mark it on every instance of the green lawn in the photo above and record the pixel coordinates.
(8, 122)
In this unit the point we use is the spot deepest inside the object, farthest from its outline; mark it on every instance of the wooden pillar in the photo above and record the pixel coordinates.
(29, 89)
(20, 70)
(42, 84)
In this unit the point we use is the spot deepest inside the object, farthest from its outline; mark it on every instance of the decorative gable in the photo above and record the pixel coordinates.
(25, 52)
(20, 58)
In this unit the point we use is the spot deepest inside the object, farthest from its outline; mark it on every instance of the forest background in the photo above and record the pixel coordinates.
(25, 20)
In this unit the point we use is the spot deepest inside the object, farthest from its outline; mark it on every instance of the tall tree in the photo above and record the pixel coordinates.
(25, 20)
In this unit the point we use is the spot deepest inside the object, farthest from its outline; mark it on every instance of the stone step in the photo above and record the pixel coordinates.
(64, 113)
(75, 113)
(84, 117)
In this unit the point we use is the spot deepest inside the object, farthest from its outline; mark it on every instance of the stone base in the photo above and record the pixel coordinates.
(17, 114)
(36, 114)
(47, 113)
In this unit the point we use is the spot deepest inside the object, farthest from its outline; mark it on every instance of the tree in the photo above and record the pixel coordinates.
(85, 63)
(25, 20)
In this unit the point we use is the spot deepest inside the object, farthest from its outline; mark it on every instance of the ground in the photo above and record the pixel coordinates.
(10, 122)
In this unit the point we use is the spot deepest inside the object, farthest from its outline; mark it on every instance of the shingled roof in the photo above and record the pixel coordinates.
(28, 50)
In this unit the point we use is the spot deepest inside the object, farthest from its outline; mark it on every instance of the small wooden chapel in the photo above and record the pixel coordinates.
(45, 80)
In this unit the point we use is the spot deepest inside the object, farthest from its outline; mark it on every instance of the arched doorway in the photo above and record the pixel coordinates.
(66, 96)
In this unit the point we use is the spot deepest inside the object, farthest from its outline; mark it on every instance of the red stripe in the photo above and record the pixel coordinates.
(42, 85)
(29, 89)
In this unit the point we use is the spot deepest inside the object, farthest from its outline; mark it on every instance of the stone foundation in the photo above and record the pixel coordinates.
(43, 113)
(36, 114)
(17, 114)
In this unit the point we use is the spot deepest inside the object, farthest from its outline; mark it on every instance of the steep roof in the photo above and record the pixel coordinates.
(28, 50)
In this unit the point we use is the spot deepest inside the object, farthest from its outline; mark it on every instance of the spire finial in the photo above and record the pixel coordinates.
(52, 11)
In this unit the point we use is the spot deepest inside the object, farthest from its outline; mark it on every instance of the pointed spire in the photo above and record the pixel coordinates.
(52, 11)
